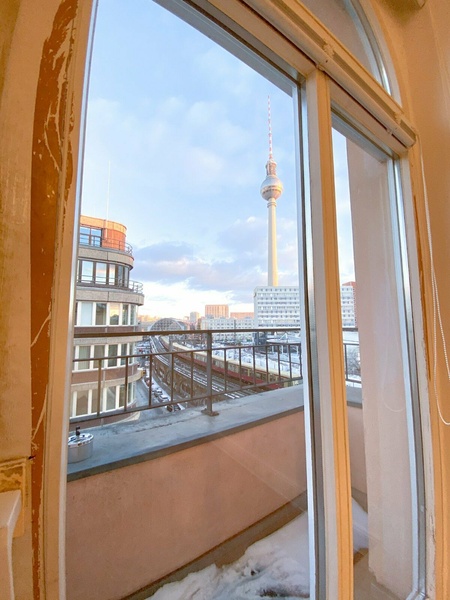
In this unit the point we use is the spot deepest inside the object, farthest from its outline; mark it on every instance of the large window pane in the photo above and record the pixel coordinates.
(83, 352)
(82, 403)
(100, 313)
(114, 313)
(85, 313)
(100, 273)
(112, 354)
(87, 271)
(378, 406)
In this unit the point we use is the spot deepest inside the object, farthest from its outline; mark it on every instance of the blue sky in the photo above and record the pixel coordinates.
(176, 146)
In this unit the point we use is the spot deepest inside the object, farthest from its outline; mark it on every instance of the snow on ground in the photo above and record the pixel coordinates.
(275, 567)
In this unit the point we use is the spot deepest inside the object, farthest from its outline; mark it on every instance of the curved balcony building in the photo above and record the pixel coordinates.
(107, 302)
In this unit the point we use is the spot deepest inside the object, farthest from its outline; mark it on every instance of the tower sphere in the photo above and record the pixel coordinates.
(271, 187)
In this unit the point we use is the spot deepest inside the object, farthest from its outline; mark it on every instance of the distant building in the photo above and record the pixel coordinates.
(217, 310)
(106, 302)
(168, 324)
(242, 315)
(348, 305)
(277, 306)
(193, 318)
(228, 323)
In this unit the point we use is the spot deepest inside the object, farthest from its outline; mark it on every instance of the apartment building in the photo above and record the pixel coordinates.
(107, 303)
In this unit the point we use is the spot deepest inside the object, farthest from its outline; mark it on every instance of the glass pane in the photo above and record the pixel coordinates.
(375, 374)
(110, 398)
(131, 393)
(112, 274)
(126, 276)
(112, 352)
(100, 273)
(84, 352)
(119, 275)
(346, 20)
(86, 313)
(123, 353)
(82, 399)
(87, 271)
(114, 312)
(200, 118)
(100, 313)
(94, 400)
(121, 395)
(99, 352)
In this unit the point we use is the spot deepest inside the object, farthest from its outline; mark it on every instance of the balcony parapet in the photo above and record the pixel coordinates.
(102, 331)
(96, 241)
(109, 374)
(135, 287)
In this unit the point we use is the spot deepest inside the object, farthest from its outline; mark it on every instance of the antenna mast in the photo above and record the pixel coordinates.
(270, 129)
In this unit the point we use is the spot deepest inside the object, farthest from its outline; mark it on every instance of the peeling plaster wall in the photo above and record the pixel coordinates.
(40, 102)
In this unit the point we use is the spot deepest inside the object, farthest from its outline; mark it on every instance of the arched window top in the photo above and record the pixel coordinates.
(347, 21)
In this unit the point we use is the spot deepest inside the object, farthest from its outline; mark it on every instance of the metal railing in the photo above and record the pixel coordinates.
(132, 286)
(189, 368)
(97, 241)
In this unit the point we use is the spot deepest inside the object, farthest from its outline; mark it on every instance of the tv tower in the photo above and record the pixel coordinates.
(271, 190)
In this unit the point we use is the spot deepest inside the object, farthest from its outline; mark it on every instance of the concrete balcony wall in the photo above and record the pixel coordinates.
(129, 527)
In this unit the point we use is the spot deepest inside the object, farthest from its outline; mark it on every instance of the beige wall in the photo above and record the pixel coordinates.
(131, 526)
(42, 69)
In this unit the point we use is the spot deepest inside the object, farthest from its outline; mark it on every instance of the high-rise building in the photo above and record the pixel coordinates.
(194, 317)
(217, 310)
(348, 305)
(277, 306)
(106, 302)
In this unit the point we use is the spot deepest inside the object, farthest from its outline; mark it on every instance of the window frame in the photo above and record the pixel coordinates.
(288, 36)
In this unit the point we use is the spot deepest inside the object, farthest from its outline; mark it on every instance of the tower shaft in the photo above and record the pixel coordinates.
(271, 190)
(272, 267)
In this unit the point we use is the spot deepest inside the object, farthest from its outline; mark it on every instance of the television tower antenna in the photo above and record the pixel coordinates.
(271, 190)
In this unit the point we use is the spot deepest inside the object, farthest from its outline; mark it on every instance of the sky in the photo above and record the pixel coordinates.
(175, 149)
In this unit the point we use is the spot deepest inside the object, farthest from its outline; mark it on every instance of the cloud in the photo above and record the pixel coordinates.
(171, 263)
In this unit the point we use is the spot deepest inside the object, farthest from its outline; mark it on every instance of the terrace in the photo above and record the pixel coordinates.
(237, 440)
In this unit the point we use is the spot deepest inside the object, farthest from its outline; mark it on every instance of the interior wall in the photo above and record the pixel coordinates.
(41, 85)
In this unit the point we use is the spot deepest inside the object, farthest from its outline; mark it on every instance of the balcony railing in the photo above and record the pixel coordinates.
(102, 281)
(191, 368)
(97, 241)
